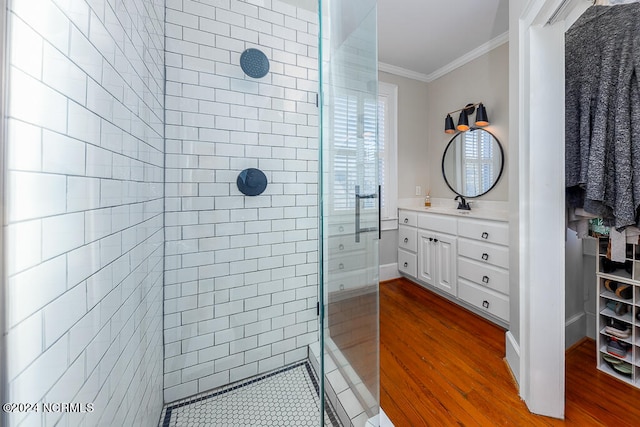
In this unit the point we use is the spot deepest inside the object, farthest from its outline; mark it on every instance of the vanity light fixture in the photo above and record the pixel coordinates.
(463, 120)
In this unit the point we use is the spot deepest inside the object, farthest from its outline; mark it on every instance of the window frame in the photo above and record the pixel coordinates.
(389, 215)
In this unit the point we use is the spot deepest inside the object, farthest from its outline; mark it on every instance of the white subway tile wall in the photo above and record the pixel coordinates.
(85, 219)
(241, 272)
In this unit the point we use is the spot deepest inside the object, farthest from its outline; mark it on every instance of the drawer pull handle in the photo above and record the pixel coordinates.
(341, 229)
(485, 304)
(406, 240)
(406, 220)
(485, 256)
(406, 264)
(341, 266)
(341, 247)
(485, 279)
(431, 239)
(485, 235)
(435, 240)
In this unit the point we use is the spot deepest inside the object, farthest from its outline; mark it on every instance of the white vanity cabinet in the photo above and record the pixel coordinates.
(437, 252)
(465, 258)
(483, 262)
(408, 243)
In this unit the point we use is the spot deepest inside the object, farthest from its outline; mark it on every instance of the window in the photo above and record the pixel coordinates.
(388, 153)
(354, 146)
(478, 161)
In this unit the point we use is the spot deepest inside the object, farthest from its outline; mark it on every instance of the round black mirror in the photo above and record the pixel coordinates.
(472, 162)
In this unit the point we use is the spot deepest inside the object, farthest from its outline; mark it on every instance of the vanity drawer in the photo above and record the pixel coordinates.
(486, 231)
(484, 253)
(440, 223)
(340, 229)
(407, 263)
(408, 238)
(408, 218)
(484, 275)
(485, 299)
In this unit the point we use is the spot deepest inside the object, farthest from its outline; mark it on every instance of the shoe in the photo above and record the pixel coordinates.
(622, 290)
(622, 368)
(625, 333)
(608, 266)
(618, 308)
(617, 328)
(617, 348)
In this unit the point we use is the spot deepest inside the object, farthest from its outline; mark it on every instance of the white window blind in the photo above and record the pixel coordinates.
(356, 153)
(478, 162)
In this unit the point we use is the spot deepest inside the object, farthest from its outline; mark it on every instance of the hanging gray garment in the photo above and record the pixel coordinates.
(602, 50)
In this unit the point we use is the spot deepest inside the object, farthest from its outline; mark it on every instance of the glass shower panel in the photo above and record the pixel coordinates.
(350, 209)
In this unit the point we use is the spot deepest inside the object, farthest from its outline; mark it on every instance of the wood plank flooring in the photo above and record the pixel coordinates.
(441, 365)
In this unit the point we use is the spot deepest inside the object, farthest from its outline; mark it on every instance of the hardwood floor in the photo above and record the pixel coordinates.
(442, 365)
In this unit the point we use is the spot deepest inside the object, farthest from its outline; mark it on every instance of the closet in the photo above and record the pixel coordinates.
(602, 176)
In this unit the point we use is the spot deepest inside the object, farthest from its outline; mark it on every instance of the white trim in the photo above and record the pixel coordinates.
(456, 63)
(389, 272)
(470, 56)
(541, 207)
(390, 92)
(402, 72)
(512, 354)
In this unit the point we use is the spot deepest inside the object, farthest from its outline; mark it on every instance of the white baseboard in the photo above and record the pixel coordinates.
(389, 271)
(512, 348)
(574, 329)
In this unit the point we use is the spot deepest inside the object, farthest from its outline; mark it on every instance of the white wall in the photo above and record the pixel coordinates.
(413, 157)
(485, 79)
(241, 272)
(84, 221)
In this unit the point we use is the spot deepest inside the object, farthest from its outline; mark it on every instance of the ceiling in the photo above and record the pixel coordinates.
(426, 38)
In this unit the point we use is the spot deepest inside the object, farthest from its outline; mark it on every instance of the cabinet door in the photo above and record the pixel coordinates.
(445, 263)
(426, 257)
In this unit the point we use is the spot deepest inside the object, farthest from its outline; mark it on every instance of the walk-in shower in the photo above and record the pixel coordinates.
(190, 232)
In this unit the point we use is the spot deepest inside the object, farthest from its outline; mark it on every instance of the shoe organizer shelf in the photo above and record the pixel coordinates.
(618, 337)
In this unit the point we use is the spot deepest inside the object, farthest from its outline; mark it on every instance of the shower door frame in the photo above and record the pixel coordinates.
(3, 147)
(366, 276)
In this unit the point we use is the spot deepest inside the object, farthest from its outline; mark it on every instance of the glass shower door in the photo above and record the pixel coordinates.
(350, 209)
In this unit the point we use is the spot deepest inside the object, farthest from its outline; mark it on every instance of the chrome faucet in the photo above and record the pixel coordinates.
(463, 203)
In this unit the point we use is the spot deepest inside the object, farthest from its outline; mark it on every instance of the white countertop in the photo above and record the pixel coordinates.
(480, 209)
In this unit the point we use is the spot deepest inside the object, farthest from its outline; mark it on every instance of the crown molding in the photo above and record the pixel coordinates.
(468, 57)
(402, 72)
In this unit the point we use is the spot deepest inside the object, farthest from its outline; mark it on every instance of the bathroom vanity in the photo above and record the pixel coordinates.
(461, 255)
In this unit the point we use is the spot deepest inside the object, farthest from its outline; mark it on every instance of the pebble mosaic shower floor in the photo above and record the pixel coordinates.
(286, 397)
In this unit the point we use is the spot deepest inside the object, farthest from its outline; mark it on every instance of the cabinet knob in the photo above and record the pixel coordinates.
(485, 279)
(406, 220)
(431, 239)
(406, 240)
(341, 266)
(485, 235)
(485, 304)
(485, 256)
(435, 240)
(341, 228)
(341, 247)
(406, 264)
